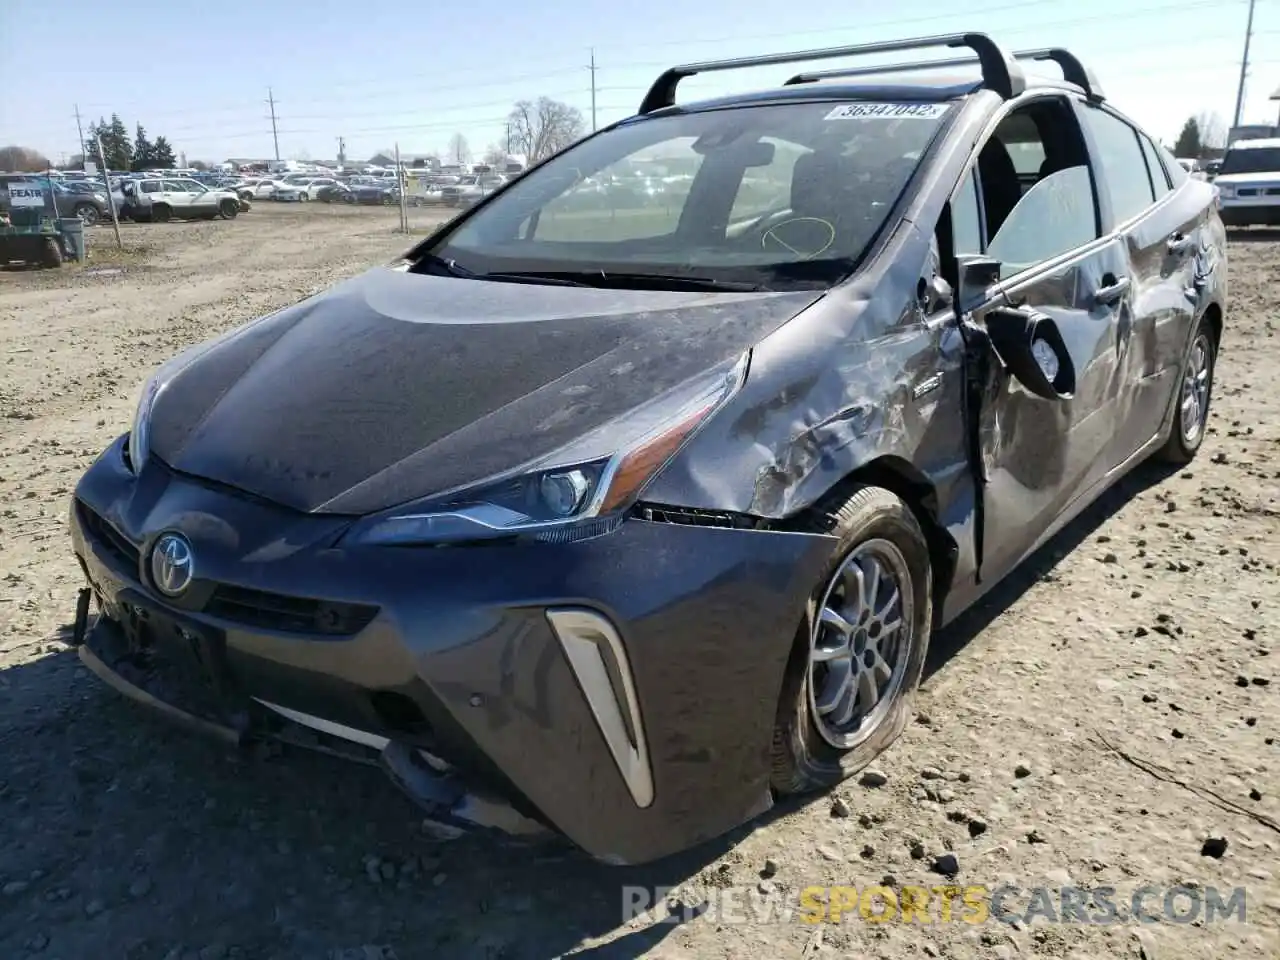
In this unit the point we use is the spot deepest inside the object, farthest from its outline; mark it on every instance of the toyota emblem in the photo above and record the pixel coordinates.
(172, 564)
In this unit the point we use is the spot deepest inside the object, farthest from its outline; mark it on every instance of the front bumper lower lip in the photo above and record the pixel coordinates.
(451, 808)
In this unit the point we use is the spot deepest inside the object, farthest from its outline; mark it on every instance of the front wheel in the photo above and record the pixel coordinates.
(1195, 390)
(229, 209)
(861, 650)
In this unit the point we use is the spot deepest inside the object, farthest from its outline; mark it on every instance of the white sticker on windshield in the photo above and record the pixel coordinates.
(888, 111)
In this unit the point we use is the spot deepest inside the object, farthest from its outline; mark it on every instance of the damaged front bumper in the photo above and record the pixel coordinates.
(452, 806)
(621, 690)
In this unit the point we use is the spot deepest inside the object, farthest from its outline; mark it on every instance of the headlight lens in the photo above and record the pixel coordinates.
(139, 433)
(1227, 190)
(574, 495)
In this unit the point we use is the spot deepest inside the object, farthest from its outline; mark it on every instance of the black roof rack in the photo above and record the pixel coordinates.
(1073, 71)
(999, 71)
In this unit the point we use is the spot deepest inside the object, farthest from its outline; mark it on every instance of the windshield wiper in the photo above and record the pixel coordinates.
(445, 265)
(628, 281)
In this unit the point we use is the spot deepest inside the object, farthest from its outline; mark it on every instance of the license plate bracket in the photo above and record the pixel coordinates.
(180, 651)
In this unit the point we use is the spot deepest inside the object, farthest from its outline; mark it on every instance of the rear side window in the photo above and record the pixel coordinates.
(1159, 176)
(1123, 166)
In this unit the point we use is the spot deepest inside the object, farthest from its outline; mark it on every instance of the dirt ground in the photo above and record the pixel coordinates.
(1152, 625)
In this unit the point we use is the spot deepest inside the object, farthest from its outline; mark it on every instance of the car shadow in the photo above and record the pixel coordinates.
(948, 641)
(300, 853)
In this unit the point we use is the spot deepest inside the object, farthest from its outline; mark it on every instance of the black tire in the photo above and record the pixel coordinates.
(803, 759)
(50, 253)
(161, 212)
(87, 213)
(1182, 444)
(230, 209)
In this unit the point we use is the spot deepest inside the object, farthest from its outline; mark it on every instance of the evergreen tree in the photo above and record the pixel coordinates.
(143, 151)
(1189, 143)
(162, 154)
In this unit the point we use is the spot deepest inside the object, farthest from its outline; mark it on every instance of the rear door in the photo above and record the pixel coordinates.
(1038, 457)
(1160, 230)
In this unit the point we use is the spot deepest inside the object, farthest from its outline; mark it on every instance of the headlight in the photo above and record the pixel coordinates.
(571, 494)
(1226, 190)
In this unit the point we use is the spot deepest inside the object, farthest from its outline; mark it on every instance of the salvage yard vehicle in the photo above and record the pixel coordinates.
(160, 200)
(1248, 183)
(639, 519)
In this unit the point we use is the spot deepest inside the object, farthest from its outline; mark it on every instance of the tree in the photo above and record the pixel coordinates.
(543, 127)
(495, 156)
(22, 160)
(162, 154)
(1213, 131)
(143, 152)
(199, 165)
(459, 149)
(116, 146)
(1189, 143)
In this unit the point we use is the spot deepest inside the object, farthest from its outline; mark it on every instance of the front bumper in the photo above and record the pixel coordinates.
(561, 676)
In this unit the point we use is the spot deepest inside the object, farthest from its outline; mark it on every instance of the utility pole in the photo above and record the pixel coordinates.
(111, 200)
(275, 135)
(593, 68)
(1244, 65)
(342, 152)
(508, 138)
(80, 130)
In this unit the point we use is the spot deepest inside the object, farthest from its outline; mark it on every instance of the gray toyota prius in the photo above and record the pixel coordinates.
(627, 502)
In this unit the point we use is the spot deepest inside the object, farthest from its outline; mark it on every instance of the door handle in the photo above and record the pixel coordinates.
(1105, 296)
(1179, 244)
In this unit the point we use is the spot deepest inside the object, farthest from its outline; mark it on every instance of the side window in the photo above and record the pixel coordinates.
(966, 224)
(1173, 169)
(1123, 165)
(151, 186)
(1055, 216)
(1159, 178)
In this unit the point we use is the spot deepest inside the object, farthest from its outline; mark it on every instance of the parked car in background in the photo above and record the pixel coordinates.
(469, 190)
(335, 193)
(312, 188)
(375, 192)
(290, 192)
(1248, 183)
(158, 200)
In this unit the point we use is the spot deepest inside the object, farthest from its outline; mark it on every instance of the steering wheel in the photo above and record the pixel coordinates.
(803, 237)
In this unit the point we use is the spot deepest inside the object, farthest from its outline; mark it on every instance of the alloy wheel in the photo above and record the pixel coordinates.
(1197, 380)
(861, 643)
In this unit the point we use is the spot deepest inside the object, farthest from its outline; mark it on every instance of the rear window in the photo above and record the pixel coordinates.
(1251, 160)
(779, 195)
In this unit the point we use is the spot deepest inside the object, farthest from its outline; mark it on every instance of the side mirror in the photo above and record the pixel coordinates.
(977, 275)
(1030, 346)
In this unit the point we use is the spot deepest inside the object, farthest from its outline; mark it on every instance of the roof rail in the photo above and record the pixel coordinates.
(1073, 71)
(999, 72)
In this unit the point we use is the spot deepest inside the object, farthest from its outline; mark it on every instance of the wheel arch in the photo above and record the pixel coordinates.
(904, 479)
(1213, 313)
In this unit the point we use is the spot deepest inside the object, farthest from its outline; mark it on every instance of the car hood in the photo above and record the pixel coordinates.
(394, 386)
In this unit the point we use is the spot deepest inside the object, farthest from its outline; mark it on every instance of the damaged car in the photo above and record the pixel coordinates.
(622, 523)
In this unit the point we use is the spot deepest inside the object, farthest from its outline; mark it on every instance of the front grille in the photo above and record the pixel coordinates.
(107, 536)
(277, 611)
(1247, 192)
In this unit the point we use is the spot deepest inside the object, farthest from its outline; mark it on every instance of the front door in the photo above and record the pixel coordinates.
(1036, 457)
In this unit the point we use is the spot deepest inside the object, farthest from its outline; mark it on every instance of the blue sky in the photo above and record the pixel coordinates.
(416, 73)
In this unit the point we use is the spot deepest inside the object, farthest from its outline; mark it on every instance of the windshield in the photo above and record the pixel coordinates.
(1251, 160)
(778, 196)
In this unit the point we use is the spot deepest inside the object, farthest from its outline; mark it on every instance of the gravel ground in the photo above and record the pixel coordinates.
(1093, 724)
